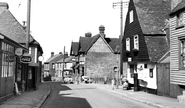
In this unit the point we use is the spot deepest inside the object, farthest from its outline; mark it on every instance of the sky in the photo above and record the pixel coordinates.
(56, 23)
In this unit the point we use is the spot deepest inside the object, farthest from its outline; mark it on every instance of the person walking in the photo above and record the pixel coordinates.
(113, 83)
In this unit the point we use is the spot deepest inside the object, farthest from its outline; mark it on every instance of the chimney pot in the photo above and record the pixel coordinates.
(4, 5)
(52, 54)
(101, 30)
(88, 34)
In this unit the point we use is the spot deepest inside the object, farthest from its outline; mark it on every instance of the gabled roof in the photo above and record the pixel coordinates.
(54, 58)
(165, 58)
(179, 7)
(157, 46)
(10, 27)
(67, 60)
(84, 42)
(113, 43)
(74, 48)
(152, 14)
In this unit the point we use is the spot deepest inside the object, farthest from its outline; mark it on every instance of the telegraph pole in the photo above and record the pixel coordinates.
(63, 64)
(28, 23)
(27, 42)
(120, 4)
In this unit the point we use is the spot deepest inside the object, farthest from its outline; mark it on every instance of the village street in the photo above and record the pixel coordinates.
(86, 96)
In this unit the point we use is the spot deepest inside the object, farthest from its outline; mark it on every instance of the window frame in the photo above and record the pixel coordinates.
(8, 60)
(180, 20)
(181, 48)
(128, 44)
(136, 47)
(131, 16)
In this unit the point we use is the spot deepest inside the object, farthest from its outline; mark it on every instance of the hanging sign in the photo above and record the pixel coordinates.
(19, 51)
(26, 58)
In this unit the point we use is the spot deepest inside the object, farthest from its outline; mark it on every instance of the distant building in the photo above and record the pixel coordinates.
(49, 65)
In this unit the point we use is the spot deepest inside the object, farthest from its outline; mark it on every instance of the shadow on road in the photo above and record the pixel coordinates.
(74, 102)
(62, 96)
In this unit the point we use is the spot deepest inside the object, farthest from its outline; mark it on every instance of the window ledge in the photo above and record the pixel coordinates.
(178, 27)
(182, 68)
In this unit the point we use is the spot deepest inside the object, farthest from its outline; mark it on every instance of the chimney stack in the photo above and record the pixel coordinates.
(101, 31)
(88, 34)
(66, 54)
(52, 54)
(4, 5)
(24, 25)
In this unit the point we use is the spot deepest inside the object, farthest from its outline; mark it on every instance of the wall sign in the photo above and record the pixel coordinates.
(26, 58)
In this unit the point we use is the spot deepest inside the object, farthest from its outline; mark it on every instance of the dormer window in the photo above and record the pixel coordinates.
(128, 44)
(136, 42)
(180, 21)
(131, 16)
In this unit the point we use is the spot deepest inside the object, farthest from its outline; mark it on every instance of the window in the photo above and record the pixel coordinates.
(182, 53)
(180, 21)
(128, 44)
(151, 73)
(136, 42)
(8, 60)
(53, 65)
(131, 16)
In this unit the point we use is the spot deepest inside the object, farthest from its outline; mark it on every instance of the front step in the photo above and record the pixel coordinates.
(181, 98)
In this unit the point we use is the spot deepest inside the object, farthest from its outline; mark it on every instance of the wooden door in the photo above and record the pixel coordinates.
(163, 79)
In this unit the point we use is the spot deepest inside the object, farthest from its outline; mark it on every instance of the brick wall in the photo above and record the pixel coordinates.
(101, 64)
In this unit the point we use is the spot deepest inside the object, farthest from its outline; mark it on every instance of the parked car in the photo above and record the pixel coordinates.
(86, 79)
(68, 80)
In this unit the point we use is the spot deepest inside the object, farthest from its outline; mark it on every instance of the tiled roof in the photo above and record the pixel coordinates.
(83, 43)
(10, 27)
(180, 6)
(74, 48)
(67, 60)
(112, 42)
(157, 46)
(152, 14)
(54, 58)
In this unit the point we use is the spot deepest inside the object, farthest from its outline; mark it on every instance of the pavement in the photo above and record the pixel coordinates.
(34, 99)
(29, 99)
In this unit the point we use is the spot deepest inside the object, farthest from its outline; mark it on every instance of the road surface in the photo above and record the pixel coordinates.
(85, 96)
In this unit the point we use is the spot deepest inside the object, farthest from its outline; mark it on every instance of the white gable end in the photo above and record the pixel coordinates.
(100, 46)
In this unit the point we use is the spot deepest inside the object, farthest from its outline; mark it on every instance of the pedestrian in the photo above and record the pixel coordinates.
(113, 83)
(126, 85)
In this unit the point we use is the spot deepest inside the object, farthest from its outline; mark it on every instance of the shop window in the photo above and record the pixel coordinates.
(8, 60)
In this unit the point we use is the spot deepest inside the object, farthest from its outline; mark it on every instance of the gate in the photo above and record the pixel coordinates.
(163, 79)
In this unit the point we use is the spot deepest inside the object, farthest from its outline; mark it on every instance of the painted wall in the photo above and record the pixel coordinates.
(144, 74)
